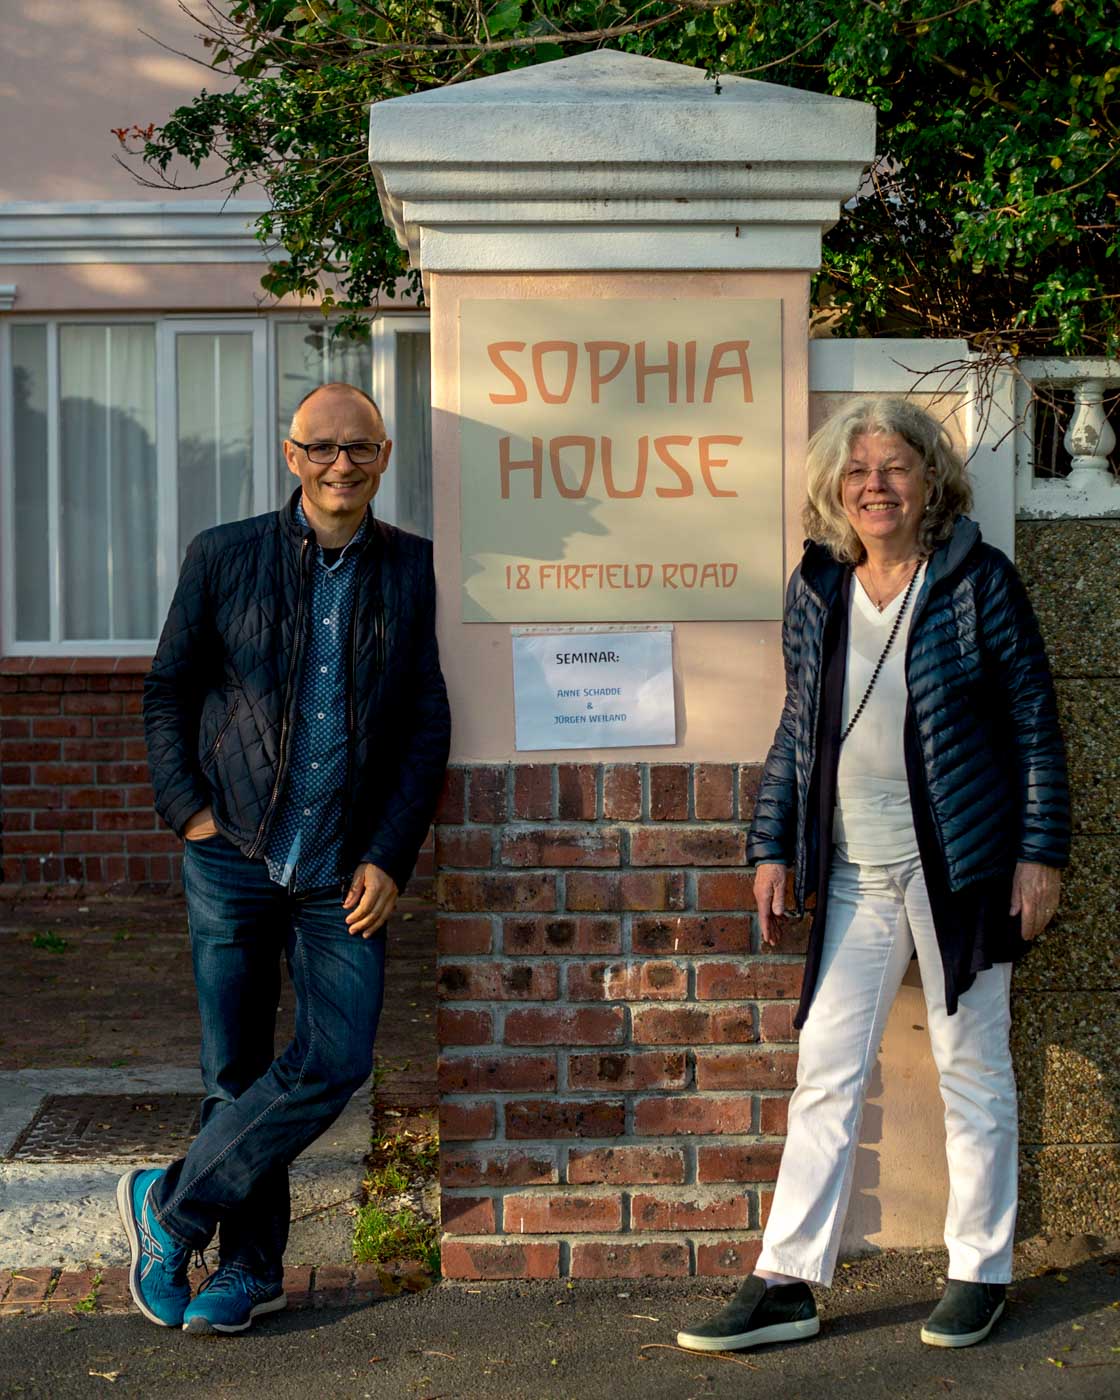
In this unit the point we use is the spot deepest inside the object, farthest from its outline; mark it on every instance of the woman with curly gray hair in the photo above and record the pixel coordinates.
(916, 787)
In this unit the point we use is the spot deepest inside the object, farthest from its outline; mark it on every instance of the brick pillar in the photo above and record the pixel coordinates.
(616, 1051)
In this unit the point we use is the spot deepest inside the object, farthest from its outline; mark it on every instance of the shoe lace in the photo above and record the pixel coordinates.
(228, 1280)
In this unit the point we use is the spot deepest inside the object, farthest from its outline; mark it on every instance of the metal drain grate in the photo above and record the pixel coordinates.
(83, 1127)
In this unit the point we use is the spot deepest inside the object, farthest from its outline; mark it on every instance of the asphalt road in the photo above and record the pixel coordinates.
(589, 1340)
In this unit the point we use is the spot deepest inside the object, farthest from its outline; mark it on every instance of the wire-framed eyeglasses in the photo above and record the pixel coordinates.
(325, 454)
(894, 475)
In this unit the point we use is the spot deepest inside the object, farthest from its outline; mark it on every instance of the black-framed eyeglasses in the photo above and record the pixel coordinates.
(325, 454)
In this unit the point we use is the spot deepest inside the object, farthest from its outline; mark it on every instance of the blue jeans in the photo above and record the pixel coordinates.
(260, 1112)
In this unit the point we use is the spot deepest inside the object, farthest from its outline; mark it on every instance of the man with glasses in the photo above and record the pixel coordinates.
(298, 729)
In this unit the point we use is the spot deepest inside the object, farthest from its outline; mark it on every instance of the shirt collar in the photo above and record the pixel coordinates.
(358, 535)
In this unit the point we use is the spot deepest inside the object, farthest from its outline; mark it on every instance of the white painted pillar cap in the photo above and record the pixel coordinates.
(611, 161)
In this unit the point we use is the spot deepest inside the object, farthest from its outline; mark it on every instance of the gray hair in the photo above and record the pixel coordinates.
(950, 493)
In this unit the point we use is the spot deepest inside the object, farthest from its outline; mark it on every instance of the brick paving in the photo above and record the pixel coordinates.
(106, 1290)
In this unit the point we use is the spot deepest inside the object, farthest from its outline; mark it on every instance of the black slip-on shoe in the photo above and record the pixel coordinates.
(757, 1314)
(966, 1314)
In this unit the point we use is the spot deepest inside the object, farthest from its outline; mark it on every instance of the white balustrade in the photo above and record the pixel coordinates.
(1091, 488)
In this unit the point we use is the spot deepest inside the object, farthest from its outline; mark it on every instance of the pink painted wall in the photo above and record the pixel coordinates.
(728, 675)
(73, 69)
(139, 287)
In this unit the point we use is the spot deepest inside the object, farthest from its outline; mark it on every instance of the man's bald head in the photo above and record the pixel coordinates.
(341, 389)
(333, 424)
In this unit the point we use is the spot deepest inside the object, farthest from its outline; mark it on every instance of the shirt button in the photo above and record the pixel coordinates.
(323, 669)
(320, 715)
(314, 765)
(327, 621)
(307, 811)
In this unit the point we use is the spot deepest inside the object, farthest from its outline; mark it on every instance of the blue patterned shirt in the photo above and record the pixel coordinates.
(304, 848)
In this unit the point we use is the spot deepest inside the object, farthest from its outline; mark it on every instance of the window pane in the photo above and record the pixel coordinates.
(306, 355)
(107, 481)
(214, 379)
(29, 452)
(412, 433)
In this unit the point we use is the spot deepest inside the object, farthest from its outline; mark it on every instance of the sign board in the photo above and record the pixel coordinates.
(621, 460)
(594, 690)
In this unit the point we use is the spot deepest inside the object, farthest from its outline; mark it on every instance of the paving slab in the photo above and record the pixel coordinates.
(64, 1212)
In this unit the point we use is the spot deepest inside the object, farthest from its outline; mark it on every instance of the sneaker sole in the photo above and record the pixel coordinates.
(960, 1339)
(779, 1332)
(128, 1220)
(203, 1327)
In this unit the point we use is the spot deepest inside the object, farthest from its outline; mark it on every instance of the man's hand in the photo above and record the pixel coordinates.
(1035, 891)
(200, 826)
(371, 898)
(770, 896)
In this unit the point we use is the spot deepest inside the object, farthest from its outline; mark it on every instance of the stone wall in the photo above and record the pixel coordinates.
(1067, 992)
(616, 1052)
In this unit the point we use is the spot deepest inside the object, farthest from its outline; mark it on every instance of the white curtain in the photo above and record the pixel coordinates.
(107, 481)
(214, 442)
(29, 469)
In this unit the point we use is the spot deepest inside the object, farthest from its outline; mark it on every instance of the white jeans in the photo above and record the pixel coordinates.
(878, 916)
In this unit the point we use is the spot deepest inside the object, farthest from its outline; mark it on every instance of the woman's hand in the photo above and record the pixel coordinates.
(1035, 891)
(770, 896)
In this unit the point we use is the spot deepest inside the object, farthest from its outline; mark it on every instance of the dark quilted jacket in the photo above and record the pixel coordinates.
(218, 699)
(991, 786)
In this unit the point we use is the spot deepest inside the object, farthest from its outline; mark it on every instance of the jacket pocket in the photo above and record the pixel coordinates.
(212, 752)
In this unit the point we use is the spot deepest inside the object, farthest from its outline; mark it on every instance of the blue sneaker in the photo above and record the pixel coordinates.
(157, 1278)
(230, 1299)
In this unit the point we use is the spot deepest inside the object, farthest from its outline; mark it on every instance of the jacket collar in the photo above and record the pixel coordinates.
(291, 525)
(947, 558)
(825, 574)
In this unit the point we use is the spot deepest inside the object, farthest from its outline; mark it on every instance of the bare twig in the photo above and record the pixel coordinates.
(713, 1355)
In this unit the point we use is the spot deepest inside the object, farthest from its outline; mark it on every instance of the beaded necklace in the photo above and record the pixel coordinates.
(883, 656)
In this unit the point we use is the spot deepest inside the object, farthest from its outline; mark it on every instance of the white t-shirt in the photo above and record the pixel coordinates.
(872, 822)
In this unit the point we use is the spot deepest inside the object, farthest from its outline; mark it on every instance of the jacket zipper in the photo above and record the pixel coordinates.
(289, 691)
(351, 712)
(217, 744)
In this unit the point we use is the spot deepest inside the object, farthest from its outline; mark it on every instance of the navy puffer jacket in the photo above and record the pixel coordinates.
(219, 696)
(982, 725)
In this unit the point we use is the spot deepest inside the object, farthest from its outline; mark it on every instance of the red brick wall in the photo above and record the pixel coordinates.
(75, 802)
(616, 1052)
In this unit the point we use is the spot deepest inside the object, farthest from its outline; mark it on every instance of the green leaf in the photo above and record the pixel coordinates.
(506, 15)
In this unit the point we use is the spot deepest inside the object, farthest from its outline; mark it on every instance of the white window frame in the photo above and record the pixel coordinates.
(56, 646)
(167, 486)
(384, 329)
(267, 488)
(167, 411)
